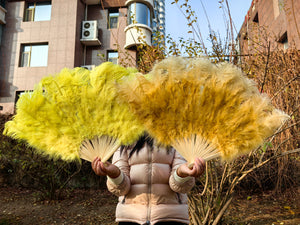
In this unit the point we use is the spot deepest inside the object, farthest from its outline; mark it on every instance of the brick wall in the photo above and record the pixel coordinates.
(269, 21)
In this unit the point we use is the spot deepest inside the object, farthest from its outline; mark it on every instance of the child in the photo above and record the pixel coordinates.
(151, 182)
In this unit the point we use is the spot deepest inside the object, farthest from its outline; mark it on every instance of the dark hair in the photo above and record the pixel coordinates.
(136, 147)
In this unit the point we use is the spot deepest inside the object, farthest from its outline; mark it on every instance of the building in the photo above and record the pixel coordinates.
(159, 18)
(38, 38)
(2, 17)
(270, 21)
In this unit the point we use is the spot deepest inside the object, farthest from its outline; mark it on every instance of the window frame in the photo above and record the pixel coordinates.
(109, 59)
(31, 11)
(110, 15)
(284, 41)
(24, 52)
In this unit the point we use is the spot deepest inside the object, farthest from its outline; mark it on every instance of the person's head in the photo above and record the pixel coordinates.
(137, 146)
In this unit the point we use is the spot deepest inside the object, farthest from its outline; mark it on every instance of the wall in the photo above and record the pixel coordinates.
(111, 39)
(61, 34)
(271, 25)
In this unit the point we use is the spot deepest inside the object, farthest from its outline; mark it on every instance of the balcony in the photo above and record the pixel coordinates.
(139, 20)
(137, 34)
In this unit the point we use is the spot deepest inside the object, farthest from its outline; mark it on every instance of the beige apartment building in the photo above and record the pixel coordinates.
(39, 38)
(274, 22)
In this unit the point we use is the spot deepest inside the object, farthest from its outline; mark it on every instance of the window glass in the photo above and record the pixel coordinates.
(139, 13)
(39, 55)
(131, 13)
(113, 20)
(112, 57)
(34, 55)
(38, 11)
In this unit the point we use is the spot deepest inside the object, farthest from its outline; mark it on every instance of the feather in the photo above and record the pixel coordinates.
(202, 109)
(69, 114)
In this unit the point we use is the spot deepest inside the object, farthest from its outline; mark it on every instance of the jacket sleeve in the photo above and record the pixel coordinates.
(175, 185)
(121, 161)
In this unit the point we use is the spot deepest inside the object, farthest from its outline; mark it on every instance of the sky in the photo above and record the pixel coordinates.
(176, 24)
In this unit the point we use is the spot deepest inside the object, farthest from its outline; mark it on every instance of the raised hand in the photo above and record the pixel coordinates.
(105, 169)
(196, 170)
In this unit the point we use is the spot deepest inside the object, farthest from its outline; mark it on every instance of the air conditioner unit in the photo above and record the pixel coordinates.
(88, 67)
(89, 30)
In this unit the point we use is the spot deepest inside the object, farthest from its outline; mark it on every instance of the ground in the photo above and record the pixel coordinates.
(20, 206)
(265, 209)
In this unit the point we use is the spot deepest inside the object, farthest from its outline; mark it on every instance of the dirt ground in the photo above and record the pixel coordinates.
(265, 209)
(19, 206)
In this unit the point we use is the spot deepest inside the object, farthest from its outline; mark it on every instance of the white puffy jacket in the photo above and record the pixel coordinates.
(148, 192)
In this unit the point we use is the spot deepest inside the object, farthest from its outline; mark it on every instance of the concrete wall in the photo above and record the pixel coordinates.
(111, 39)
(62, 33)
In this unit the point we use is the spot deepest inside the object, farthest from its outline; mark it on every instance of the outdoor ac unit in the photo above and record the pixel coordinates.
(89, 30)
(88, 67)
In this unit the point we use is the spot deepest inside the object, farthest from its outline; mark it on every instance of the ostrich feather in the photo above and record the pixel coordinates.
(194, 104)
(67, 111)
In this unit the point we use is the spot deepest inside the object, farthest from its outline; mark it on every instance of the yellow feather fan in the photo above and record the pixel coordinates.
(76, 114)
(201, 109)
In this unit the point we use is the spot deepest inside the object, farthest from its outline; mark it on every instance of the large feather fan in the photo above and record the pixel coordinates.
(76, 114)
(201, 109)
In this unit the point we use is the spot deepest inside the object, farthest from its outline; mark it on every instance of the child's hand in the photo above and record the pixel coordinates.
(197, 170)
(105, 169)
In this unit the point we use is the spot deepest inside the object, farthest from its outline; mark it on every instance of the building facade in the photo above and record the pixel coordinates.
(270, 22)
(159, 20)
(39, 38)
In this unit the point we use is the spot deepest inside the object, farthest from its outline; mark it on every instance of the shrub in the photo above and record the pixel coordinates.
(21, 166)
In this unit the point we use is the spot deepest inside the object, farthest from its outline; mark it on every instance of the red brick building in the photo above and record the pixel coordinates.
(270, 21)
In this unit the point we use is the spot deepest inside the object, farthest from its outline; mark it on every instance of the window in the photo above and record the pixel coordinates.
(20, 93)
(34, 55)
(139, 13)
(284, 41)
(112, 56)
(38, 11)
(255, 19)
(113, 17)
